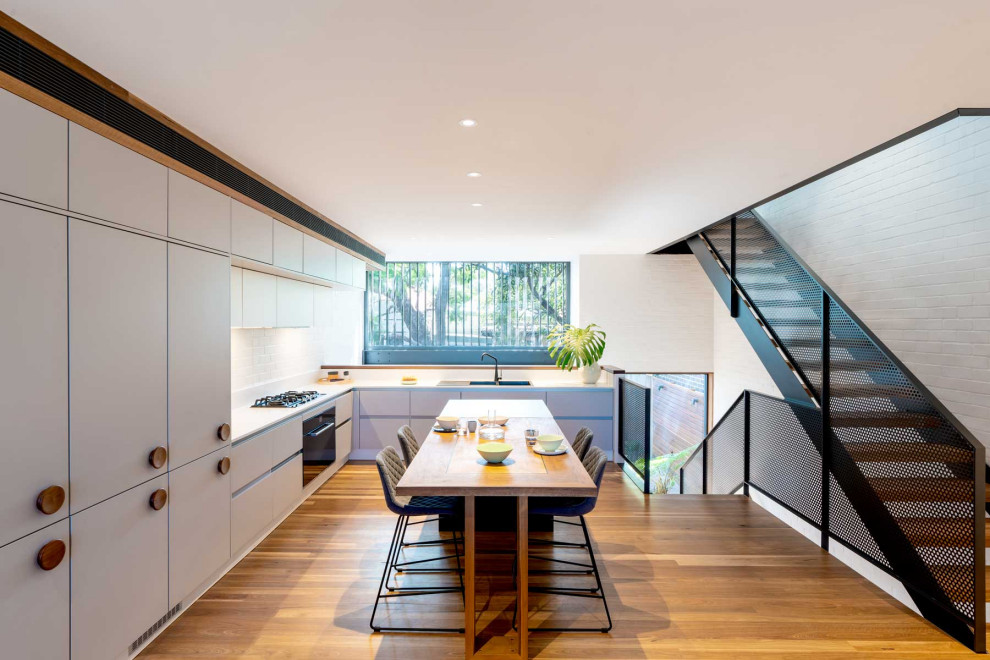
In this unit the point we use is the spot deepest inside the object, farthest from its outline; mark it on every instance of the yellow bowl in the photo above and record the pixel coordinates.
(497, 419)
(549, 442)
(494, 452)
(448, 423)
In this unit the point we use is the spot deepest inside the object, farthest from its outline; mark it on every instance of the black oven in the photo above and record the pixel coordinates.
(319, 443)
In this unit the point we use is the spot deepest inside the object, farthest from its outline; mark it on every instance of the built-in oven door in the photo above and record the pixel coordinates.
(319, 443)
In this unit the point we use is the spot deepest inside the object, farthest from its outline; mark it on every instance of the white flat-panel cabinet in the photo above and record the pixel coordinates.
(250, 513)
(322, 306)
(259, 300)
(286, 485)
(319, 258)
(602, 428)
(345, 438)
(379, 432)
(34, 606)
(345, 268)
(359, 277)
(197, 213)
(249, 460)
(288, 247)
(118, 343)
(236, 297)
(34, 429)
(113, 183)
(199, 522)
(250, 232)
(286, 439)
(379, 403)
(421, 426)
(198, 352)
(119, 571)
(35, 152)
(294, 303)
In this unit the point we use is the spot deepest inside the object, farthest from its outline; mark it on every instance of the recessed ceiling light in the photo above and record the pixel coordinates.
(474, 175)
(468, 123)
(476, 204)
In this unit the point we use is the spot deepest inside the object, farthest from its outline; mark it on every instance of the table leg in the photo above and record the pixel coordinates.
(469, 576)
(522, 552)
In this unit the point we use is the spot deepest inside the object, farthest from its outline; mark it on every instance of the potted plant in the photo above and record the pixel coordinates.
(571, 346)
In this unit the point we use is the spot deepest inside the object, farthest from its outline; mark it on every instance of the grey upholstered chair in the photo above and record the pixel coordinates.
(408, 443)
(582, 440)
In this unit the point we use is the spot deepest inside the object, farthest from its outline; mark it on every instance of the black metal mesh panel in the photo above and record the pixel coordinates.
(634, 432)
(785, 460)
(693, 478)
(726, 446)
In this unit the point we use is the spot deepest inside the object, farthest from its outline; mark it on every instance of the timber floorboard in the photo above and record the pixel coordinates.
(686, 577)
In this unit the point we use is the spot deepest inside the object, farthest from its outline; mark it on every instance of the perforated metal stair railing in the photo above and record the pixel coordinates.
(899, 481)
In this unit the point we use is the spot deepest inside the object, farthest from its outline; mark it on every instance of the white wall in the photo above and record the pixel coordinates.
(737, 367)
(903, 237)
(261, 355)
(656, 309)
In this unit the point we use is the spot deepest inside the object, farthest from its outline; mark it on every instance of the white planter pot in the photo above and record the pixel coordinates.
(590, 373)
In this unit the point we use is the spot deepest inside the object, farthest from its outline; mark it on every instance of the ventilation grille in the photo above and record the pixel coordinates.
(147, 634)
(31, 66)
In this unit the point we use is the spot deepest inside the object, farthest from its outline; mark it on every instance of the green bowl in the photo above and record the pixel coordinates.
(494, 452)
(550, 442)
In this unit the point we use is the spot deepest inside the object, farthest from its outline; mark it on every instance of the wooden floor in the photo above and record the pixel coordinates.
(686, 577)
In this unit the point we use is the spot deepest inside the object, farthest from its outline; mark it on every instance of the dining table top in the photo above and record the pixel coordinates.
(449, 463)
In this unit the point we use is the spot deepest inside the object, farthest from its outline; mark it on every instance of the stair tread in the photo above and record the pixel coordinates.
(907, 452)
(866, 391)
(835, 342)
(942, 532)
(844, 365)
(922, 489)
(884, 419)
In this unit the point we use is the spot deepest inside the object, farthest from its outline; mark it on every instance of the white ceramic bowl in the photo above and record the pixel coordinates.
(497, 419)
(447, 423)
(494, 452)
(549, 442)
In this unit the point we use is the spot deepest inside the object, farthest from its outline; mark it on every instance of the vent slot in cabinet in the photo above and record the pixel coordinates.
(147, 634)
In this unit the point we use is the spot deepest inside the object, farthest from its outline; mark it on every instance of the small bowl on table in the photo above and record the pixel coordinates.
(448, 423)
(550, 443)
(497, 420)
(494, 452)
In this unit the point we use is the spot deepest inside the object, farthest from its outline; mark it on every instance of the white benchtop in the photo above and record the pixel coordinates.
(245, 421)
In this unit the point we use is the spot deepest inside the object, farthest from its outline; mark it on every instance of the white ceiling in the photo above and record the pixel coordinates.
(604, 127)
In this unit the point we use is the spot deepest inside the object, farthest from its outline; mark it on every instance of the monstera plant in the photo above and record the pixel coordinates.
(571, 346)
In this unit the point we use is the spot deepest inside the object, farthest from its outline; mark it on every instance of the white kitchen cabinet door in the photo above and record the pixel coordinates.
(359, 277)
(198, 352)
(259, 300)
(236, 297)
(345, 268)
(34, 429)
(429, 402)
(199, 522)
(344, 438)
(322, 306)
(250, 232)
(379, 403)
(118, 347)
(421, 427)
(602, 428)
(34, 608)
(249, 459)
(286, 485)
(197, 213)
(35, 155)
(111, 182)
(119, 572)
(345, 406)
(250, 513)
(379, 432)
(577, 403)
(319, 258)
(288, 247)
(294, 303)
(504, 393)
(286, 440)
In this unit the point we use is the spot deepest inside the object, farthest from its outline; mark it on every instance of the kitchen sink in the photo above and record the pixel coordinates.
(489, 383)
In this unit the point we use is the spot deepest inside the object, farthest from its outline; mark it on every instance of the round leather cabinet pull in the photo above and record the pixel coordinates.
(51, 555)
(50, 500)
(224, 465)
(157, 457)
(223, 432)
(158, 499)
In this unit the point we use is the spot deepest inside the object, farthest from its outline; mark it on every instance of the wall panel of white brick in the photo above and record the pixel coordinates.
(737, 366)
(903, 237)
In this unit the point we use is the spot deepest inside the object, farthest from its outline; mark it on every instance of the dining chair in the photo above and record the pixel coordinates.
(573, 507)
(582, 440)
(390, 470)
(410, 447)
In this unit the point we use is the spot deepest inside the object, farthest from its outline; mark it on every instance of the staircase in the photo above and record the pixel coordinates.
(858, 447)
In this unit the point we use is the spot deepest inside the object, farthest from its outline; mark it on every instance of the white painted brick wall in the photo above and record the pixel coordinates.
(737, 366)
(656, 309)
(903, 237)
(261, 355)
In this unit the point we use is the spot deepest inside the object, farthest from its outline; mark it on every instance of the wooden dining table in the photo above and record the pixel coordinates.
(449, 464)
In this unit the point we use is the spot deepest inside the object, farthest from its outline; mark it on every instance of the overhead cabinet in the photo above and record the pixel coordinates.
(359, 276)
(35, 152)
(34, 428)
(251, 232)
(319, 258)
(236, 297)
(111, 182)
(118, 342)
(294, 303)
(197, 213)
(288, 247)
(259, 300)
(345, 268)
(198, 353)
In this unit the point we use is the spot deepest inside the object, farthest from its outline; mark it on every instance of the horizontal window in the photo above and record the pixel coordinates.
(442, 312)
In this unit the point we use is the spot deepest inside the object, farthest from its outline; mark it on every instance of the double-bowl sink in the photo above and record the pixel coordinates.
(482, 383)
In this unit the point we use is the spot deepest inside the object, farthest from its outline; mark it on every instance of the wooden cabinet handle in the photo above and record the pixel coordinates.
(157, 457)
(158, 499)
(51, 555)
(50, 500)
(223, 432)
(223, 467)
